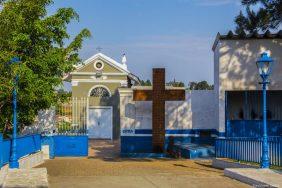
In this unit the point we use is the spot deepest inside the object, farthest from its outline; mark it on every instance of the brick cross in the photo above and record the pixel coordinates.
(158, 96)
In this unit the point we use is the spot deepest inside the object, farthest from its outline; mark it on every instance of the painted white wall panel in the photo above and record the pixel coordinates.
(196, 112)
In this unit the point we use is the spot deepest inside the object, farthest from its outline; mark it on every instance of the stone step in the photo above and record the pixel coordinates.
(193, 151)
(35, 177)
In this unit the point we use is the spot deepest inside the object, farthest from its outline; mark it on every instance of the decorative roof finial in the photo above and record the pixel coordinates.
(124, 60)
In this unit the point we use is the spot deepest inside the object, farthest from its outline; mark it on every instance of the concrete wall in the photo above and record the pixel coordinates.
(185, 121)
(196, 112)
(235, 68)
(203, 107)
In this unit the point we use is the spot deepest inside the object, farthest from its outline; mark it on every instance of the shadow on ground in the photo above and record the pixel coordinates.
(109, 150)
(104, 168)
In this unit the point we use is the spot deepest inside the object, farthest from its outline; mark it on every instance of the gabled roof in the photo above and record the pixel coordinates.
(119, 66)
(232, 36)
(109, 60)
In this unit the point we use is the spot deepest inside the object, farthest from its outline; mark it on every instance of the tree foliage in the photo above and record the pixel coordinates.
(39, 40)
(171, 83)
(267, 16)
(203, 85)
(175, 83)
(146, 83)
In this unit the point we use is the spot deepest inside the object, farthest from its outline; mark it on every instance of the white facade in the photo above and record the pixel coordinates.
(196, 112)
(235, 68)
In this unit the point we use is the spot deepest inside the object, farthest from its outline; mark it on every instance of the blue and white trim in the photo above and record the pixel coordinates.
(170, 132)
(140, 140)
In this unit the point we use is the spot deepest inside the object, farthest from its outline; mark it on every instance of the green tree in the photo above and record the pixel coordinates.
(39, 40)
(267, 16)
(146, 83)
(203, 85)
(175, 83)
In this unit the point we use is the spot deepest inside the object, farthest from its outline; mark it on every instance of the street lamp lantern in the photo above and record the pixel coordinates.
(14, 163)
(264, 65)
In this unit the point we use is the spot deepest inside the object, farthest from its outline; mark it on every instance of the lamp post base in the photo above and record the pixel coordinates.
(14, 164)
(265, 164)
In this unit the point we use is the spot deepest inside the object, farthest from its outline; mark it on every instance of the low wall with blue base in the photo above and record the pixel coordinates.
(26, 145)
(141, 141)
(66, 145)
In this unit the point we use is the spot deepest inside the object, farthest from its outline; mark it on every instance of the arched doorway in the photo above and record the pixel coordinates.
(100, 118)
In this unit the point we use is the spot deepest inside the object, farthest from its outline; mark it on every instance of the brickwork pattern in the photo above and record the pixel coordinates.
(158, 111)
(158, 95)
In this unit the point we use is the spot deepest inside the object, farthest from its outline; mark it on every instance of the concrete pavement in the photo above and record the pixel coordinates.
(103, 168)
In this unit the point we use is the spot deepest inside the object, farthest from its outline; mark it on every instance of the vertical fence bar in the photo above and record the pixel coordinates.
(1, 150)
(76, 111)
(72, 116)
(85, 113)
(64, 118)
(279, 151)
(73, 111)
(249, 149)
(78, 114)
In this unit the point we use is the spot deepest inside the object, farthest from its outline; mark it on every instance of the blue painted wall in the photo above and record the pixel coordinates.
(252, 128)
(48, 140)
(71, 145)
(141, 141)
(136, 144)
(25, 145)
(28, 144)
(66, 146)
(6, 145)
(244, 113)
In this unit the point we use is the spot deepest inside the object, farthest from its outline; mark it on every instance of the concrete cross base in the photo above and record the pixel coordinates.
(36, 177)
(255, 177)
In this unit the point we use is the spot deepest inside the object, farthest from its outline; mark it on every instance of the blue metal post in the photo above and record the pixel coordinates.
(52, 147)
(264, 65)
(265, 145)
(14, 163)
(1, 150)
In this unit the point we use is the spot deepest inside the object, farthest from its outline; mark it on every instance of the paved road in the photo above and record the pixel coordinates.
(104, 169)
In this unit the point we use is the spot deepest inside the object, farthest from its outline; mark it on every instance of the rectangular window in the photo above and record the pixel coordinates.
(247, 105)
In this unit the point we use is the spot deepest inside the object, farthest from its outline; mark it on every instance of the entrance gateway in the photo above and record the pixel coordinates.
(95, 85)
(100, 125)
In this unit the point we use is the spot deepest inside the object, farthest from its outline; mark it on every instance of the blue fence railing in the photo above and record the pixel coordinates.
(248, 149)
(25, 145)
(252, 128)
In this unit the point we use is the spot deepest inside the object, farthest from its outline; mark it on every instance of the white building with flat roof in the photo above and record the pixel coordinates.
(235, 69)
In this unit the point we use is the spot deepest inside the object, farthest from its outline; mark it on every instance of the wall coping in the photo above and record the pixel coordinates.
(150, 87)
(125, 92)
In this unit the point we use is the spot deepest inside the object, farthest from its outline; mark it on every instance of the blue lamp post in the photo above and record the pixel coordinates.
(14, 163)
(264, 65)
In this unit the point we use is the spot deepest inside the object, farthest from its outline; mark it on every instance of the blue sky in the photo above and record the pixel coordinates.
(175, 34)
